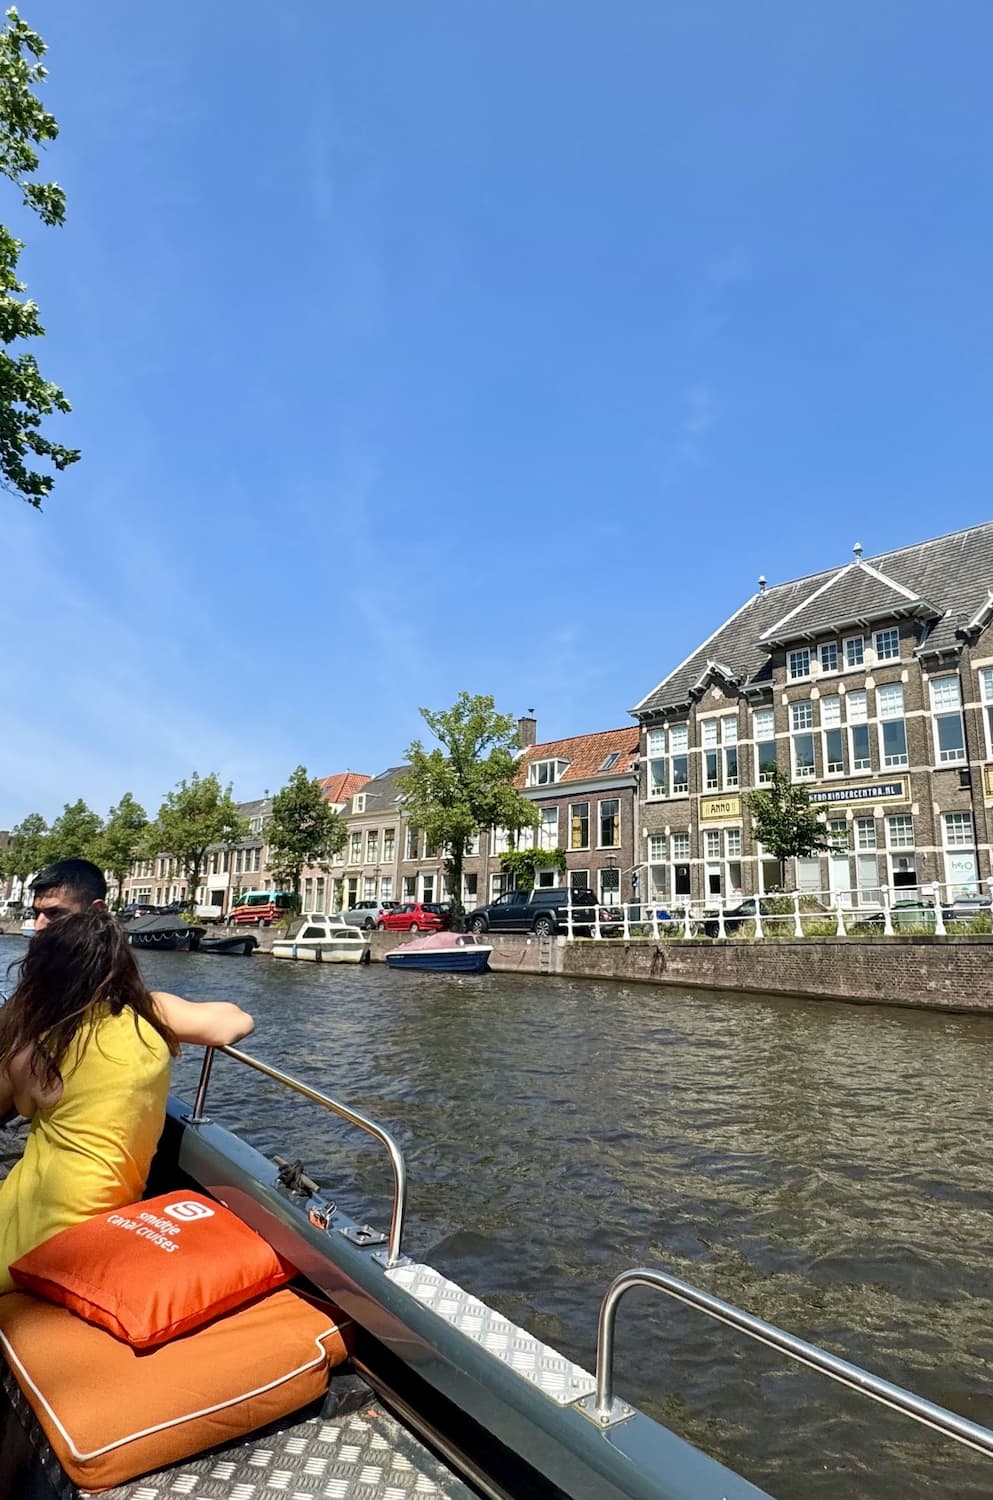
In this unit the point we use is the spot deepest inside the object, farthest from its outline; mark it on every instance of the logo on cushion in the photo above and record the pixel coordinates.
(186, 1211)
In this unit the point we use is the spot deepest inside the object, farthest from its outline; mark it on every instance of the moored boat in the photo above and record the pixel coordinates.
(242, 943)
(317, 938)
(442, 953)
(164, 931)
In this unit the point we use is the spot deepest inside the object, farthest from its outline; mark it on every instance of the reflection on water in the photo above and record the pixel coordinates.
(824, 1166)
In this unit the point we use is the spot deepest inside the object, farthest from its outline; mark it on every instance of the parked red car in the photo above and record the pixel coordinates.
(416, 916)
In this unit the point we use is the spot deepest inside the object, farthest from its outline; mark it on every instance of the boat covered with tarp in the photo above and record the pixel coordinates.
(442, 953)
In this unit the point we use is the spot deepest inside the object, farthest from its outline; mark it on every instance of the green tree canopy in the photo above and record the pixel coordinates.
(197, 814)
(75, 834)
(25, 397)
(466, 784)
(25, 854)
(785, 822)
(122, 840)
(303, 830)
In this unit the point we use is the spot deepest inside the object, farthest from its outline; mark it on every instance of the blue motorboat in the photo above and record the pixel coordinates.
(443, 953)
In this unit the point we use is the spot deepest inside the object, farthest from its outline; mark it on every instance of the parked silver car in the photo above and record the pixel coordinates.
(367, 913)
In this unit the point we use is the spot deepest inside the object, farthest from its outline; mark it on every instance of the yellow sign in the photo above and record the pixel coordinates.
(988, 781)
(713, 809)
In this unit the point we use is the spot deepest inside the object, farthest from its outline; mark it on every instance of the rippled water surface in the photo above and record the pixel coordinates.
(826, 1167)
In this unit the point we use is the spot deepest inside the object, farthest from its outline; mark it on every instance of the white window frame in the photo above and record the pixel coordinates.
(986, 697)
(617, 823)
(577, 848)
(666, 757)
(950, 819)
(892, 762)
(878, 635)
(804, 731)
(893, 844)
(854, 646)
(547, 815)
(546, 772)
(760, 738)
(955, 757)
(796, 657)
(829, 646)
(858, 765)
(838, 728)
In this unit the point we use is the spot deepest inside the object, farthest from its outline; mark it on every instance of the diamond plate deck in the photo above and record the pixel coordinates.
(545, 1368)
(365, 1455)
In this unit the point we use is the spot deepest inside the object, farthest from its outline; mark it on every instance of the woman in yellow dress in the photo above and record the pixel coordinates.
(86, 1055)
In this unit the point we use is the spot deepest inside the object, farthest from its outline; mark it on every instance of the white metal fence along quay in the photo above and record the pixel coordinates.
(935, 909)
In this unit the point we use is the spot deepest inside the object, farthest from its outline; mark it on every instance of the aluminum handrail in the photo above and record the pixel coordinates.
(342, 1110)
(853, 1376)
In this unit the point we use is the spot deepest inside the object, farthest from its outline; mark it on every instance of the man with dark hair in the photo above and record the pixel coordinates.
(73, 885)
(68, 885)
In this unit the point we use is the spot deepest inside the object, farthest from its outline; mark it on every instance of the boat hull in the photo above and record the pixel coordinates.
(445, 961)
(242, 945)
(320, 953)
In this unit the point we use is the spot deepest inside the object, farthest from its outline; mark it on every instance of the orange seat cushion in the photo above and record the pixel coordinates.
(154, 1270)
(112, 1412)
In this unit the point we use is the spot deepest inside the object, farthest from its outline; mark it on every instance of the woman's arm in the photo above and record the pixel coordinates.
(203, 1023)
(21, 1090)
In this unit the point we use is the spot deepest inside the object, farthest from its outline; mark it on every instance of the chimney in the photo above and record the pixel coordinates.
(527, 729)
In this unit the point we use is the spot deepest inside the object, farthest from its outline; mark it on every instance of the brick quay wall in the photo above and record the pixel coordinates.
(950, 973)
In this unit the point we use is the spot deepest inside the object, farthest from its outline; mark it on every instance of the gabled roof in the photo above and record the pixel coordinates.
(344, 784)
(947, 581)
(856, 595)
(586, 754)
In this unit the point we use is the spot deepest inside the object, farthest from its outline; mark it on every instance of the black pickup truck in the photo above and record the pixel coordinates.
(545, 911)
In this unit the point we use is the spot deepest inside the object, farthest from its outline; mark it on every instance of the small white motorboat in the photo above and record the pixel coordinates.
(317, 938)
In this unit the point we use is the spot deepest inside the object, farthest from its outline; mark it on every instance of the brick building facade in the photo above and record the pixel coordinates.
(872, 683)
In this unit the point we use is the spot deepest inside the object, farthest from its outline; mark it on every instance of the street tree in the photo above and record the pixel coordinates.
(25, 854)
(121, 841)
(26, 398)
(303, 830)
(466, 783)
(75, 834)
(785, 821)
(195, 815)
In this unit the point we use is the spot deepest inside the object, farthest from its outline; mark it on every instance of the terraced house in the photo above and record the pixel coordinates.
(871, 682)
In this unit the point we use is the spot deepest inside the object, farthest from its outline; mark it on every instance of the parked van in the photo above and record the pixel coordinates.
(262, 907)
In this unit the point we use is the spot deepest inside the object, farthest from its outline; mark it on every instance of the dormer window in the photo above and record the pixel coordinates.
(546, 772)
(798, 663)
(358, 802)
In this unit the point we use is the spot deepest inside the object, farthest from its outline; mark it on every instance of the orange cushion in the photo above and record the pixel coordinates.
(155, 1270)
(112, 1413)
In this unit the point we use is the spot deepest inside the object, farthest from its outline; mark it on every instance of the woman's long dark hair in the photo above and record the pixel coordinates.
(77, 969)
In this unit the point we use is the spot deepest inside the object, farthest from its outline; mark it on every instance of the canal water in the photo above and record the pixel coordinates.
(826, 1167)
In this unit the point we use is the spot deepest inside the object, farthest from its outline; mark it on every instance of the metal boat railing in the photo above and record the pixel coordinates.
(199, 1117)
(603, 1409)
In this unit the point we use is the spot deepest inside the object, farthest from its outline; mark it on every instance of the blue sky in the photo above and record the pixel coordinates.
(498, 347)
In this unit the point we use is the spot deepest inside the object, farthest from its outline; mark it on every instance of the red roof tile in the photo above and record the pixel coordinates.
(338, 788)
(586, 754)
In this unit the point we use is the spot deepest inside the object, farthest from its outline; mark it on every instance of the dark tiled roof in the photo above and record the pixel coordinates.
(381, 792)
(855, 593)
(586, 754)
(950, 577)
